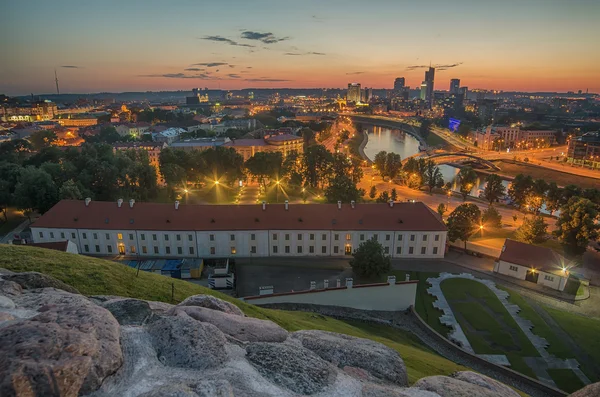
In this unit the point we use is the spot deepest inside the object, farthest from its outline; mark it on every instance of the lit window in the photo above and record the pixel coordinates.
(119, 236)
(348, 237)
(233, 250)
(132, 249)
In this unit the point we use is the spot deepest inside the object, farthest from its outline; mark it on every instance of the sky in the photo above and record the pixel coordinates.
(152, 45)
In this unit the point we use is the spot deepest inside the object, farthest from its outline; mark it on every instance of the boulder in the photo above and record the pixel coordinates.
(129, 311)
(374, 390)
(67, 349)
(6, 316)
(451, 387)
(6, 303)
(379, 360)
(245, 329)
(484, 381)
(10, 288)
(592, 390)
(210, 302)
(160, 307)
(4, 271)
(292, 367)
(31, 280)
(170, 390)
(214, 388)
(181, 341)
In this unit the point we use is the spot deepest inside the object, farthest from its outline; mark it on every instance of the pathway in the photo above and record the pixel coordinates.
(538, 365)
(9, 236)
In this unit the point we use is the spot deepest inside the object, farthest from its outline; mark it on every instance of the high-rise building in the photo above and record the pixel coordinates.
(454, 86)
(424, 91)
(399, 84)
(464, 91)
(429, 82)
(367, 95)
(353, 94)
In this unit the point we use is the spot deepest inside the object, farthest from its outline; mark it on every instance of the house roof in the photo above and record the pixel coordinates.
(73, 214)
(540, 258)
(246, 142)
(57, 246)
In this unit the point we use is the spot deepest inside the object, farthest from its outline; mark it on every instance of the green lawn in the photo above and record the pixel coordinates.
(565, 379)
(93, 276)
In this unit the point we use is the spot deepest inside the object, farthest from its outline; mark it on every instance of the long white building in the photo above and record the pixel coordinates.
(406, 230)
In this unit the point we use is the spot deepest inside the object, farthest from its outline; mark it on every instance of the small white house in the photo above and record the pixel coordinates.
(64, 246)
(528, 262)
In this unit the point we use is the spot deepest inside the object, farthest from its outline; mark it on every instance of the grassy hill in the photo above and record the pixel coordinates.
(101, 277)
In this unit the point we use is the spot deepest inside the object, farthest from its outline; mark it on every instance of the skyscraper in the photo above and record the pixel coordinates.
(454, 86)
(367, 95)
(399, 84)
(429, 79)
(353, 94)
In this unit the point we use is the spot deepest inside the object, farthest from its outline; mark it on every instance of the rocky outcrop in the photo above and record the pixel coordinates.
(129, 311)
(246, 329)
(10, 288)
(32, 280)
(464, 384)
(592, 390)
(210, 302)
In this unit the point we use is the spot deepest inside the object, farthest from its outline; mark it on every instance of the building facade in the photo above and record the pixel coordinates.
(354, 93)
(283, 143)
(455, 86)
(585, 149)
(405, 230)
(399, 84)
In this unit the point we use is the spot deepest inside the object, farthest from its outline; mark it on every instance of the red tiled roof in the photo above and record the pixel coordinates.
(57, 246)
(283, 138)
(540, 258)
(246, 142)
(72, 214)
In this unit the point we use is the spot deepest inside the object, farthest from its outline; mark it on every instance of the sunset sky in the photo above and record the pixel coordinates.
(126, 45)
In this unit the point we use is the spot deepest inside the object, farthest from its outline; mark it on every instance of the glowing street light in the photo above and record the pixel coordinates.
(216, 182)
(185, 190)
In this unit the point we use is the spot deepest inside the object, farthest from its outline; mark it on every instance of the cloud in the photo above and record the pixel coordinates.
(200, 76)
(248, 67)
(266, 80)
(438, 67)
(232, 66)
(194, 69)
(355, 73)
(292, 53)
(222, 39)
(303, 53)
(210, 64)
(317, 18)
(316, 53)
(267, 38)
(234, 76)
(70, 67)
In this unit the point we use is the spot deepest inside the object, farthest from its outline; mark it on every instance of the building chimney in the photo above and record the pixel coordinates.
(177, 204)
(119, 203)
(326, 284)
(287, 205)
(349, 282)
(264, 204)
(407, 278)
(87, 201)
(131, 203)
(313, 285)
(352, 203)
(391, 203)
(391, 280)
(338, 283)
(339, 205)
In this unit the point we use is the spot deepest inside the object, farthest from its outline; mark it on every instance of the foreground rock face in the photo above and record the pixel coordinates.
(592, 390)
(56, 342)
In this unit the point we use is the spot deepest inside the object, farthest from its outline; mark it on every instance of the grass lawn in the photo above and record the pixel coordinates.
(93, 276)
(436, 141)
(487, 325)
(549, 175)
(566, 380)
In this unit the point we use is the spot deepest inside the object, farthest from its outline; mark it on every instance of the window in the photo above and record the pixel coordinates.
(132, 249)
(411, 250)
(311, 236)
(423, 250)
(336, 237)
(95, 236)
(62, 235)
(274, 249)
(41, 235)
(97, 247)
(232, 237)
(412, 237)
(336, 249)
(72, 235)
(253, 237)
(190, 237)
(233, 250)
(386, 250)
(212, 250)
(109, 249)
(435, 250)
(274, 236)
(387, 237)
(211, 237)
(287, 249)
(84, 235)
(166, 237)
(399, 250)
(424, 237)
(437, 237)
(144, 249)
(86, 248)
(548, 278)
(299, 237)
(513, 268)
(323, 249)
(375, 237)
(107, 236)
(399, 237)
(324, 237)
(178, 237)
(191, 250)
(311, 249)
(362, 237)
(253, 249)
(51, 234)
(154, 237)
(179, 250)
(287, 237)
(168, 250)
(119, 236)
(348, 237)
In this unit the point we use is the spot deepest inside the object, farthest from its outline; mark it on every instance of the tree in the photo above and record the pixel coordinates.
(533, 230)
(384, 197)
(464, 129)
(466, 178)
(373, 192)
(380, 161)
(463, 222)
(265, 165)
(369, 260)
(433, 175)
(107, 135)
(308, 136)
(317, 162)
(577, 224)
(553, 197)
(341, 188)
(394, 194)
(35, 191)
(70, 191)
(442, 209)
(535, 199)
(42, 139)
(494, 189)
(393, 165)
(492, 218)
(520, 188)
(425, 128)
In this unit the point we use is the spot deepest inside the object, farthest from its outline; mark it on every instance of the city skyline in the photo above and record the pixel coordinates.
(152, 46)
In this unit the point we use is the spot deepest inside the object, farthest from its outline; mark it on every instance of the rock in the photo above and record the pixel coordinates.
(170, 390)
(592, 390)
(214, 388)
(481, 380)
(10, 288)
(210, 302)
(242, 328)
(6, 272)
(98, 299)
(129, 311)
(160, 307)
(373, 390)
(181, 341)
(67, 349)
(6, 316)
(30, 280)
(292, 367)
(451, 387)
(379, 360)
(6, 303)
